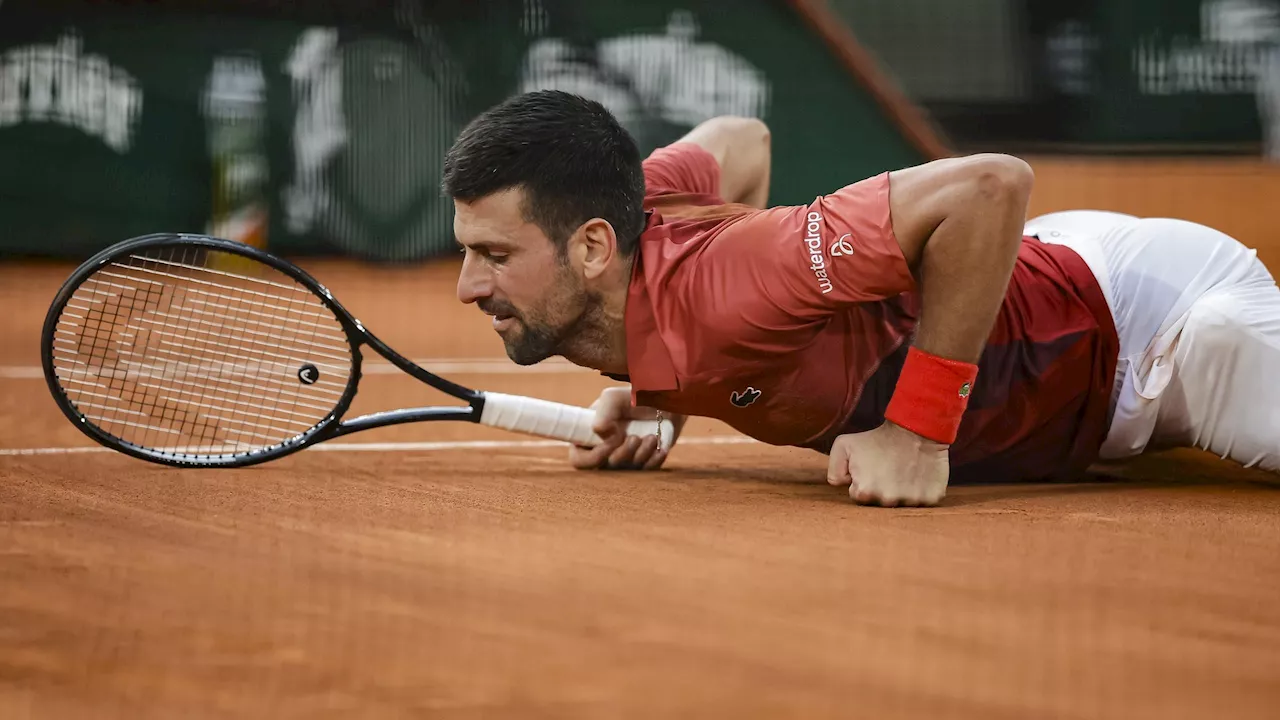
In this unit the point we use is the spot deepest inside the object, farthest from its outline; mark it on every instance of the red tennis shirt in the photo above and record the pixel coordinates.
(791, 325)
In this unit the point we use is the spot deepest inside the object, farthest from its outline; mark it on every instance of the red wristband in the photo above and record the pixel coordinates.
(931, 395)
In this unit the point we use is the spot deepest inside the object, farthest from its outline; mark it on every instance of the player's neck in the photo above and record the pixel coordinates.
(601, 344)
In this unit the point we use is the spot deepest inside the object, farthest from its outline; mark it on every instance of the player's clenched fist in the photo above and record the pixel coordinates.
(890, 466)
(619, 451)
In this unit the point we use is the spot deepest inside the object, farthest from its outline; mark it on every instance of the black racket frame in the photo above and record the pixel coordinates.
(330, 427)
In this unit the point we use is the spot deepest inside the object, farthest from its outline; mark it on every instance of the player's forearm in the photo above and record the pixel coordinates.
(959, 224)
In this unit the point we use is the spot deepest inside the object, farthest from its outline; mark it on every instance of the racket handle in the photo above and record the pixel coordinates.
(558, 421)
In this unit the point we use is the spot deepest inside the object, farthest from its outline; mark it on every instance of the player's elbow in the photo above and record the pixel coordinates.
(999, 185)
(731, 137)
(981, 183)
(743, 130)
(742, 147)
(748, 144)
(958, 192)
(757, 144)
(754, 137)
(756, 131)
(1001, 180)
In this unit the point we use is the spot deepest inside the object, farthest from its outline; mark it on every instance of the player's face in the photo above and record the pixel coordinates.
(516, 274)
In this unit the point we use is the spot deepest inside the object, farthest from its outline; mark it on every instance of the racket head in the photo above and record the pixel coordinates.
(195, 351)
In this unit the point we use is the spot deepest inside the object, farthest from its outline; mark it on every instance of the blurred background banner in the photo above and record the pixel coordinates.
(1114, 76)
(319, 127)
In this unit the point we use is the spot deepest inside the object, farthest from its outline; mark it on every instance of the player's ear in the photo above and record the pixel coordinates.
(594, 245)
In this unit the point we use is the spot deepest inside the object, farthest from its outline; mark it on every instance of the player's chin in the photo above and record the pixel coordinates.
(520, 354)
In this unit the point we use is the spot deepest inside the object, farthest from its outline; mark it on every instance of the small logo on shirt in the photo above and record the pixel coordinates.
(964, 390)
(842, 246)
(743, 398)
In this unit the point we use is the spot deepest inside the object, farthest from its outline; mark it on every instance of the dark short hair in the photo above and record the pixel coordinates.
(569, 155)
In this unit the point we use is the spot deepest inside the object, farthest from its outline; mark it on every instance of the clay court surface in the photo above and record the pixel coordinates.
(447, 570)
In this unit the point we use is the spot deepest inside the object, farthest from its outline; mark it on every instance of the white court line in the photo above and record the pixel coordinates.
(440, 366)
(397, 446)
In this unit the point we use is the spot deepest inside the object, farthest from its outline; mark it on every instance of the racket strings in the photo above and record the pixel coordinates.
(209, 313)
(171, 351)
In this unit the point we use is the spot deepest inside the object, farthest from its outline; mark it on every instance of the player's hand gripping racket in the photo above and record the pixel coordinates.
(196, 351)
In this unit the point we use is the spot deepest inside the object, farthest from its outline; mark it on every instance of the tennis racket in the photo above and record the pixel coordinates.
(196, 351)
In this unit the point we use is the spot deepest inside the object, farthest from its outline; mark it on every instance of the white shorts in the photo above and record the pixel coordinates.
(1198, 318)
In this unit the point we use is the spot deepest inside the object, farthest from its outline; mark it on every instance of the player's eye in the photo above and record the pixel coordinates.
(493, 256)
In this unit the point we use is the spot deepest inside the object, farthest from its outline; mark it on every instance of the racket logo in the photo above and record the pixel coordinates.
(308, 374)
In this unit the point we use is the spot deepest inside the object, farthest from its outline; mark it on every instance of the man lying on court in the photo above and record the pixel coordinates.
(911, 325)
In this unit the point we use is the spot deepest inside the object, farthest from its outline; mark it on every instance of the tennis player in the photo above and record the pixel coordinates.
(912, 325)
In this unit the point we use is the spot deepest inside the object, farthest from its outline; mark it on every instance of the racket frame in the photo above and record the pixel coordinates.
(330, 427)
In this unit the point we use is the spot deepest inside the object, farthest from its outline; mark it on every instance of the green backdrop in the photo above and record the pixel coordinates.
(102, 133)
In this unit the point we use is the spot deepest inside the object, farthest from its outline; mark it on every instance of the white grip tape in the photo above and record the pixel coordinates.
(558, 421)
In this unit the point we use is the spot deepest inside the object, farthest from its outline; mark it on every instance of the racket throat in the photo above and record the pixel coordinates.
(401, 417)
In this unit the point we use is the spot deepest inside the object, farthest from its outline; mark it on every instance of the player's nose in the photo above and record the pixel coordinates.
(473, 282)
